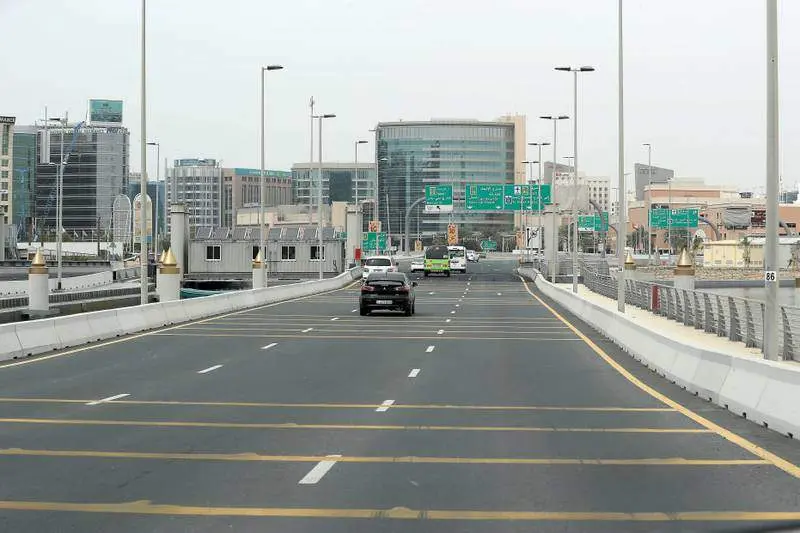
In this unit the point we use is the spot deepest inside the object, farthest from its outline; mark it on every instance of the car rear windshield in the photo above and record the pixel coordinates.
(437, 252)
(378, 262)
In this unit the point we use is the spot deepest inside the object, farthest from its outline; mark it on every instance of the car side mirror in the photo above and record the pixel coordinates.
(414, 283)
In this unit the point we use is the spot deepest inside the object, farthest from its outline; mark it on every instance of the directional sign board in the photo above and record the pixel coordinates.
(675, 218)
(488, 245)
(590, 223)
(438, 198)
(373, 240)
(505, 197)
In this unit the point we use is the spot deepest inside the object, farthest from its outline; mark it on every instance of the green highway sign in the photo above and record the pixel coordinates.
(438, 198)
(505, 197)
(373, 240)
(675, 218)
(588, 223)
(488, 245)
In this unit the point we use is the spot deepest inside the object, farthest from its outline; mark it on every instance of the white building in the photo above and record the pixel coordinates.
(6, 159)
(197, 183)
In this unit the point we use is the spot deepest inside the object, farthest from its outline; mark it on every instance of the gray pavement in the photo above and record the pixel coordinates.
(484, 412)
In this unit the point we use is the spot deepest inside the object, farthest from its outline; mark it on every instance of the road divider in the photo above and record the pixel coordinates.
(21, 339)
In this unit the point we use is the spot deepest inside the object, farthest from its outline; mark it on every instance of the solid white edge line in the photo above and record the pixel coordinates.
(384, 406)
(414, 372)
(430, 348)
(209, 369)
(270, 345)
(319, 471)
(109, 399)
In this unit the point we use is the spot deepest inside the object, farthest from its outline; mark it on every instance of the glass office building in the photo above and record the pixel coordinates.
(96, 172)
(23, 189)
(414, 154)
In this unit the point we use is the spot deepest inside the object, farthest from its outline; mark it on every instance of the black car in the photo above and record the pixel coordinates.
(387, 290)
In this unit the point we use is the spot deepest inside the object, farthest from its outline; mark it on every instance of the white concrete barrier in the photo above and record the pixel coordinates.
(21, 339)
(765, 392)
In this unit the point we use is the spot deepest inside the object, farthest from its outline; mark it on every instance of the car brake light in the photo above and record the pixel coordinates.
(367, 288)
(402, 289)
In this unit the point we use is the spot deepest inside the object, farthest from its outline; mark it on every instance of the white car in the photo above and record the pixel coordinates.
(458, 258)
(417, 265)
(378, 263)
(472, 256)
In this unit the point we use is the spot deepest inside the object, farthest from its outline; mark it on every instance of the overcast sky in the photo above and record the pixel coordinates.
(694, 74)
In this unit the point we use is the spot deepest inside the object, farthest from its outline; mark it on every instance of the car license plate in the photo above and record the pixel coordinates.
(384, 302)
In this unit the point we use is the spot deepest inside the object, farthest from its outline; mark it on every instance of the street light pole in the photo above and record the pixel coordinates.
(155, 209)
(143, 256)
(356, 197)
(771, 271)
(555, 119)
(649, 195)
(541, 206)
(621, 212)
(263, 186)
(575, 71)
(320, 249)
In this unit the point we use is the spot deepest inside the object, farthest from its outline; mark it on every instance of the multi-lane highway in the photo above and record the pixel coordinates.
(489, 410)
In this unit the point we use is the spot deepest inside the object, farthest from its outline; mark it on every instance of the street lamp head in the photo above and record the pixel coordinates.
(564, 69)
(646, 144)
(562, 117)
(329, 115)
(362, 142)
(586, 69)
(273, 67)
(152, 144)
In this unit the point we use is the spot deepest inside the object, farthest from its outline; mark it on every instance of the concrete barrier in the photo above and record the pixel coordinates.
(763, 391)
(21, 339)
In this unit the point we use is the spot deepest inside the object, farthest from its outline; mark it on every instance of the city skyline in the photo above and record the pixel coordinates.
(694, 84)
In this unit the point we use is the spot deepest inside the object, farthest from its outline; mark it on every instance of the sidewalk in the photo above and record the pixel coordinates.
(669, 328)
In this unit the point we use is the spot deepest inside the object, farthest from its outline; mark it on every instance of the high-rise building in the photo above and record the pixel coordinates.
(457, 152)
(6, 158)
(23, 184)
(197, 183)
(341, 182)
(241, 187)
(643, 177)
(96, 172)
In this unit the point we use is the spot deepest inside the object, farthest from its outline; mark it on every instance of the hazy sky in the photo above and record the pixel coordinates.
(694, 74)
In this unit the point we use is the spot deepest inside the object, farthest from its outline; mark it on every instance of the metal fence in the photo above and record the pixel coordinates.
(737, 319)
(22, 301)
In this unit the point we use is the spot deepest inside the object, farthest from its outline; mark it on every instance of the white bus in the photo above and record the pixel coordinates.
(458, 258)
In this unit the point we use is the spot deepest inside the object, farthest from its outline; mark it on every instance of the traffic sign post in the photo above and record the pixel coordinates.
(438, 198)
(373, 241)
(674, 218)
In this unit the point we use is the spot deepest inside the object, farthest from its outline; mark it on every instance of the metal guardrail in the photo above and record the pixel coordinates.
(737, 319)
(22, 301)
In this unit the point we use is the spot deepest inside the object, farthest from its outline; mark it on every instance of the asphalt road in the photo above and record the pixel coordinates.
(484, 412)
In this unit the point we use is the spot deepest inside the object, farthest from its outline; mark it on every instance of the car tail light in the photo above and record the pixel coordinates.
(391, 269)
(367, 288)
(402, 288)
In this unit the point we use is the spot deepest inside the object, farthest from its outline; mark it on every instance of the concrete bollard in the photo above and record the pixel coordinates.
(684, 272)
(258, 280)
(169, 279)
(38, 285)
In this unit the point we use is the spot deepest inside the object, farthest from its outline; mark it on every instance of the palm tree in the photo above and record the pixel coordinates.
(746, 243)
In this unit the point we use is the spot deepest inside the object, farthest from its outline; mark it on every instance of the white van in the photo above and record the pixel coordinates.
(378, 263)
(458, 258)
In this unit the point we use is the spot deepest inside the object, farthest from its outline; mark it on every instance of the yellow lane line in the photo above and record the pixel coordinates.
(783, 464)
(357, 405)
(94, 346)
(146, 507)
(354, 427)
(312, 336)
(255, 457)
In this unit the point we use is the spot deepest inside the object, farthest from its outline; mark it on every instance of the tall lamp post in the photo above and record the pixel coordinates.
(143, 256)
(575, 71)
(649, 195)
(156, 226)
(621, 214)
(523, 217)
(773, 187)
(555, 119)
(320, 248)
(541, 207)
(356, 144)
(263, 186)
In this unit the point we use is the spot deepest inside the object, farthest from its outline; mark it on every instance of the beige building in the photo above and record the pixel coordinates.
(735, 253)
(6, 158)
